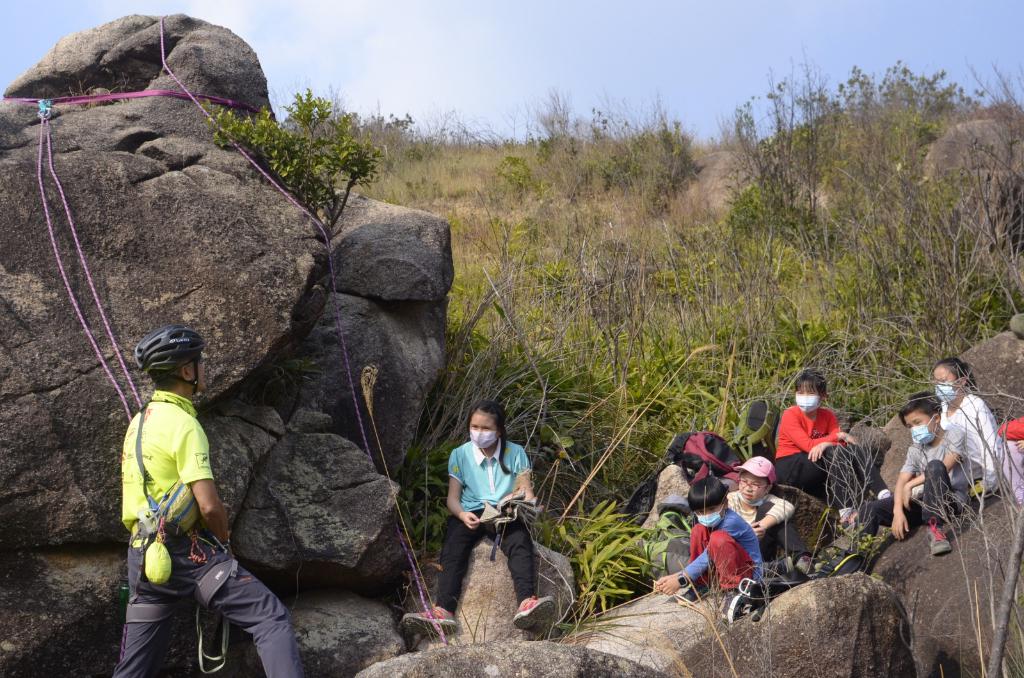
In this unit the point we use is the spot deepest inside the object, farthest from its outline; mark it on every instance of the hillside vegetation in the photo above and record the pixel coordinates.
(611, 294)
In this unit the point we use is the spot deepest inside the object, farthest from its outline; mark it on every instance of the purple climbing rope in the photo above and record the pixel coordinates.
(85, 268)
(337, 309)
(44, 140)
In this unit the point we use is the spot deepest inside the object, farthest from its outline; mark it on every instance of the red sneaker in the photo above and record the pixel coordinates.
(534, 612)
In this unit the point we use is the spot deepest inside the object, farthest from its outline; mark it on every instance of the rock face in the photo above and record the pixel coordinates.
(670, 481)
(59, 599)
(488, 600)
(402, 345)
(852, 626)
(175, 229)
(654, 631)
(943, 594)
(339, 634)
(196, 238)
(972, 146)
(509, 658)
(999, 370)
(318, 514)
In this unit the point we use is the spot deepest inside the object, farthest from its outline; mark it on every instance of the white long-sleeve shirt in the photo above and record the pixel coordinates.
(981, 440)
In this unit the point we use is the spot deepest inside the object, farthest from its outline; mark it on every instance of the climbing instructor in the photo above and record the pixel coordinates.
(163, 467)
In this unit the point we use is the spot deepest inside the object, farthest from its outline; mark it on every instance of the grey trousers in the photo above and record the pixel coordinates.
(241, 598)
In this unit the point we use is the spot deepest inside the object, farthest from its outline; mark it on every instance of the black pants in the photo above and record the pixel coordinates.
(939, 502)
(459, 540)
(839, 478)
(783, 536)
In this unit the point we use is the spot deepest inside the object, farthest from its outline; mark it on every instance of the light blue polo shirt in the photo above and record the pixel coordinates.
(481, 478)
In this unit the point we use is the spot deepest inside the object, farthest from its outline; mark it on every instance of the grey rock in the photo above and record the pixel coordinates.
(403, 342)
(941, 594)
(1017, 325)
(124, 56)
(541, 659)
(62, 599)
(339, 634)
(317, 514)
(998, 365)
(973, 146)
(167, 239)
(670, 481)
(488, 600)
(240, 435)
(845, 627)
(310, 421)
(393, 253)
(720, 175)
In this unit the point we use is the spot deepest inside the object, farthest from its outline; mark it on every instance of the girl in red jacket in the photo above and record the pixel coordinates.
(814, 455)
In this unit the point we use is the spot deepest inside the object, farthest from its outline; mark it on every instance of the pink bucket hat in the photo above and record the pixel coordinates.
(760, 467)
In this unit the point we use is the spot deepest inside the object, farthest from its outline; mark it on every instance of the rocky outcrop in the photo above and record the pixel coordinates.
(671, 481)
(943, 596)
(510, 658)
(400, 347)
(339, 634)
(198, 238)
(59, 612)
(318, 514)
(175, 229)
(488, 600)
(847, 627)
(974, 146)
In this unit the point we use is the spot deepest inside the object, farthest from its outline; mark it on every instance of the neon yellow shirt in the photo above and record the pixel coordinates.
(174, 447)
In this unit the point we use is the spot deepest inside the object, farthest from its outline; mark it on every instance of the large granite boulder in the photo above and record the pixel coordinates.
(984, 146)
(488, 600)
(943, 596)
(59, 612)
(318, 514)
(400, 347)
(339, 634)
(720, 176)
(510, 658)
(846, 627)
(173, 229)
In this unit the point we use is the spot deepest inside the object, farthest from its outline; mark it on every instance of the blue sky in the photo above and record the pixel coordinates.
(494, 62)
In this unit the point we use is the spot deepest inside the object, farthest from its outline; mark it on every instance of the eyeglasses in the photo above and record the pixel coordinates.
(753, 483)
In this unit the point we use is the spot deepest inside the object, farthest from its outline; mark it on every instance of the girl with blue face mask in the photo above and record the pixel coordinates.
(956, 390)
(721, 542)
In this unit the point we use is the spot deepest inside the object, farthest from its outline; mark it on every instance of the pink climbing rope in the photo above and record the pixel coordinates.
(334, 297)
(120, 96)
(88, 274)
(44, 139)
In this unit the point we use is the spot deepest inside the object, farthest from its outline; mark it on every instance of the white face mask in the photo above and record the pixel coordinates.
(483, 439)
(808, 403)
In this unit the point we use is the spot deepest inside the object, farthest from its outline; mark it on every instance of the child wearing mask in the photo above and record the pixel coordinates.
(934, 482)
(767, 514)
(487, 468)
(720, 541)
(1012, 439)
(814, 455)
(963, 409)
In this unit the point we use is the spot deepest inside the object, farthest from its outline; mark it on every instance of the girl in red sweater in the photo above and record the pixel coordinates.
(814, 455)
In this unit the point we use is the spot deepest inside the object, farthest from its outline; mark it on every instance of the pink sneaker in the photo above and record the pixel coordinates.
(428, 622)
(534, 612)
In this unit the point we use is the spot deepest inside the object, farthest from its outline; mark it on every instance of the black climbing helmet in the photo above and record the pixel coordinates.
(164, 349)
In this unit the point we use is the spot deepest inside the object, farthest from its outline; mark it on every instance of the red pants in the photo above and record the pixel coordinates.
(729, 561)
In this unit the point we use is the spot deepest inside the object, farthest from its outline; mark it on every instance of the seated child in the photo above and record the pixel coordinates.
(487, 468)
(963, 408)
(813, 455)
(721, 542)
(933, 483)
(767, 514)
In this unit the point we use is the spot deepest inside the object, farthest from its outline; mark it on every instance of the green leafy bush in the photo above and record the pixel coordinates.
(314, 151)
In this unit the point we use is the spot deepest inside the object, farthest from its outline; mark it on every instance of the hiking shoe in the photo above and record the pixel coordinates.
(937, 541)
(804, 563)
(427, 623)
(534, 612)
